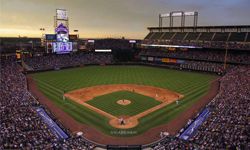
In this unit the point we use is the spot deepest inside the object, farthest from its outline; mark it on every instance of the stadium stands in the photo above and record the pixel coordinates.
(179, 36)
(193, 36)
(20, 125)
(168, 35)
(156, 35)
(240, 37)
(62, 61)
(205, 55)
(228, 126)
(219, 37)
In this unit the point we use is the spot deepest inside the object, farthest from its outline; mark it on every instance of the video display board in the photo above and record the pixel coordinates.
(50, 37)
(62, 44)
(62, 47)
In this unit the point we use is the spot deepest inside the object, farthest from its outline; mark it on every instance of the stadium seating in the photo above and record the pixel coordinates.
(149, 35)
(62, 61)
(240, 37)
(168, 35)
(20, 125)
(204, 55)
(228, 126)
(206, 36)
(192, 36)
(179, 36)
(156, 35)
(248, 37)
(221, 37)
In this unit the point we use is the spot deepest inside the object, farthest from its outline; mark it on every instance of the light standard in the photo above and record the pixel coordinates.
(76, 31)
(42, 38)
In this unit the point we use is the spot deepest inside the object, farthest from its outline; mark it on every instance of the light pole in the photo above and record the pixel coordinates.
(76, 31)
(42, 38)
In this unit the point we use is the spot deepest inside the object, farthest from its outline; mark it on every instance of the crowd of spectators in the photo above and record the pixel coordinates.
(203, 44)
(228, 126)
(68, 60)
(205, 66)
(20, 125)
(206, 55)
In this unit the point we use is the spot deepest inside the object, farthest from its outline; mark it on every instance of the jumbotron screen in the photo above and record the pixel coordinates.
(62, 47)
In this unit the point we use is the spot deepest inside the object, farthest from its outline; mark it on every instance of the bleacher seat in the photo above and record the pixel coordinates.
(220, 37)
(240, 37)
(206, 36)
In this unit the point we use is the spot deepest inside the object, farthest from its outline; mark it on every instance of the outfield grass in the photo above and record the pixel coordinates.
(108, 103)
(192, 85)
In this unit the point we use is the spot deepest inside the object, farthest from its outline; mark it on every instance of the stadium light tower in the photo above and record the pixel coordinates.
(43, 37)
(76, 31)
(181, 14)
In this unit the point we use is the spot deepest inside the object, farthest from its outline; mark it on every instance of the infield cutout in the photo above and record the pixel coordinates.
(123, 102)
(83, 95)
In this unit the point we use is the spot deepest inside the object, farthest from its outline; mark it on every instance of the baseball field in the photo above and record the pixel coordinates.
(123, 101)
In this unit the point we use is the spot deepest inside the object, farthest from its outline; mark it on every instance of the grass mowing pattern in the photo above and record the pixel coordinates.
(139, 103)
(192, 85)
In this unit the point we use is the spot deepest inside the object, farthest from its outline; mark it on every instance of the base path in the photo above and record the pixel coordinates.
(85, 94)
(173, 126)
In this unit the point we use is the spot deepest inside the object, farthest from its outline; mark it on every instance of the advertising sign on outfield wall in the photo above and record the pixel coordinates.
(143, 58)
(158, 59)
(150, 58)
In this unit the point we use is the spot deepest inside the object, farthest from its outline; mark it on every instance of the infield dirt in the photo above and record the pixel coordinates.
(85, 94)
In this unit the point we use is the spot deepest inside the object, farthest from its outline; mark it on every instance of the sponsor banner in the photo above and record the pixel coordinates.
(103, 50)
(150, 58)
(58, 132)
(172, 48)
(158, 59)
(165, 60)
(190, 131)
(183, 49)
(143, 58)
(171, 60)
(50, 37)
(180, 61)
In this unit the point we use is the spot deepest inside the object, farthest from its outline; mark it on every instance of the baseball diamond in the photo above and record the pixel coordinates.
(91, 95)
(97, 75)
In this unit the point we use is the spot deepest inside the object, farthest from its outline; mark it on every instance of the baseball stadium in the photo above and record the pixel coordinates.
(181, 86)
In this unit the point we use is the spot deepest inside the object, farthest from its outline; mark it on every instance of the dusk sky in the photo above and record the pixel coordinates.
(113, 18)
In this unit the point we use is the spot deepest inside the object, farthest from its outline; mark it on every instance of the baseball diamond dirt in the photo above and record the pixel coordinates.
(149, 136)
(163, 95)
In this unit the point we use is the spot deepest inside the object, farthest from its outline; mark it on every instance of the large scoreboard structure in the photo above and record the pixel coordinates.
(61, 42)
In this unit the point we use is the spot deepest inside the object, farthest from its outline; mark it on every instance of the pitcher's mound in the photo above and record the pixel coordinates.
(123, 102)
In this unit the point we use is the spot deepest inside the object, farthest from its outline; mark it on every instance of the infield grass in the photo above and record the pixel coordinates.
(108, 103)
(191, 84)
